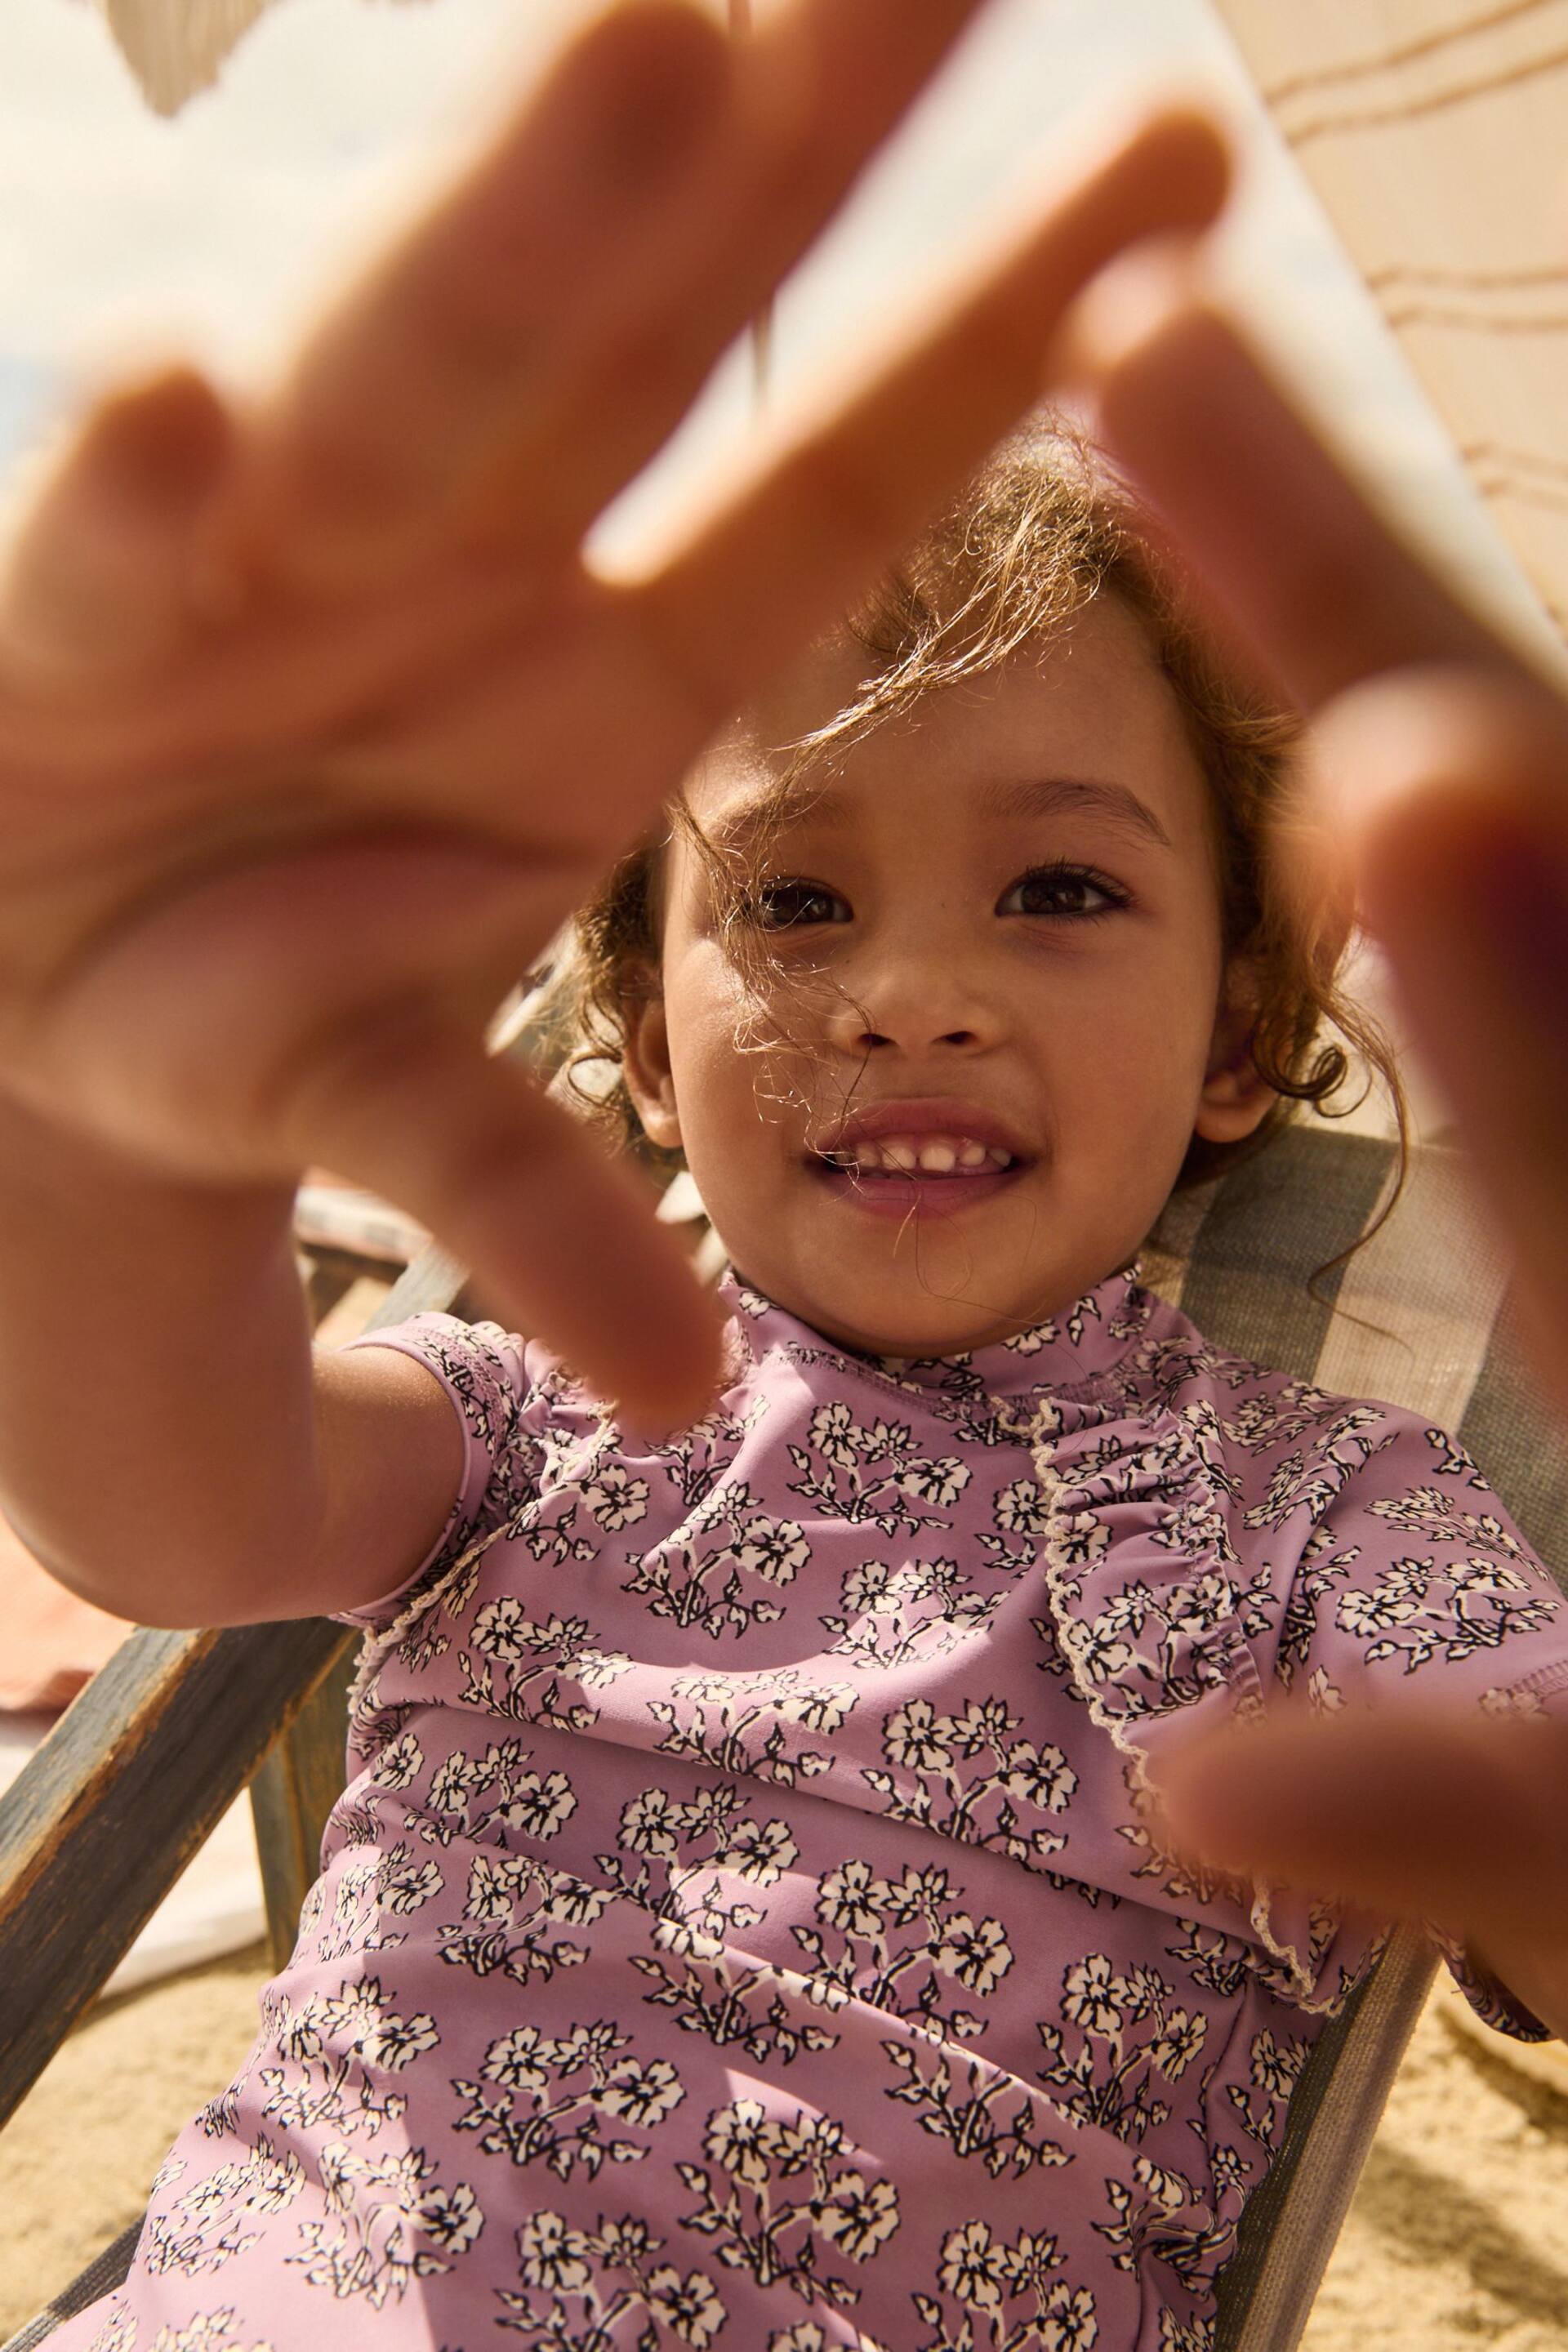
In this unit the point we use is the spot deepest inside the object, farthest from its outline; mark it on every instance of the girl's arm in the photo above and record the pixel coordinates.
(169, 1448)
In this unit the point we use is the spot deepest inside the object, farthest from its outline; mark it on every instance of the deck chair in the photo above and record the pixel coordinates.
(173, 1728)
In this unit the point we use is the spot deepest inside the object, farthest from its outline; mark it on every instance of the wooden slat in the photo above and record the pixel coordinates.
(296, 1787)
(105, 1815)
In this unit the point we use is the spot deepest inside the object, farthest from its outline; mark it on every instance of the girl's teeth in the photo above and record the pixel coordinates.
(935, 1156)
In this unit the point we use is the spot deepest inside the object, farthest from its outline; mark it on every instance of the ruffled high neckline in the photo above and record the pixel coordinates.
(1065, 1352)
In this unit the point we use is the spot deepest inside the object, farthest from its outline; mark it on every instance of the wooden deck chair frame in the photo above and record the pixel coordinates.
(141, 1766)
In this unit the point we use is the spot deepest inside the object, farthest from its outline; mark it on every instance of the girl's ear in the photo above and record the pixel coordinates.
(645, 1065)
(1234, 1100)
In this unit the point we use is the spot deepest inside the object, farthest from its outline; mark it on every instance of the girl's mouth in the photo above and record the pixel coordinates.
(891, 1174)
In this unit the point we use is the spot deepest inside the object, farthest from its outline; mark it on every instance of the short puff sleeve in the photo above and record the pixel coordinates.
(489, 1380)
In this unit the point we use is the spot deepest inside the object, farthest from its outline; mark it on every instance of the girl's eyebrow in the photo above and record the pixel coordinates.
(1070, 795)
(1032, 796)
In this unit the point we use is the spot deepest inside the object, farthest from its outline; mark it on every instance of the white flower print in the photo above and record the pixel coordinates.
(760, 1850)
(551, 2254)
(643, 2095)
(690, 2306)
(1042, 1775)
(859, 2215)
(1097, 1648)
(743, 2139)
(834, 1434)
(405, 1887)
(399, 1763)
(1178, 2043)
(1274, 2068)
(538, 1808)
(616, 1498)
(974, 2267)
(916, 1735)
(981, 1724)
(975, 1951)
(451, 2218)
(853, 1898)
(1022, 1509)
(774, 1548)
(401, 2040)
(1094, 1995)
(1373, 1613)
(648, 1822)
(940, 1481)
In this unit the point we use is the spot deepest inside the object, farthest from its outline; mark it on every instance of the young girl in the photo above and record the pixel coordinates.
(747, 1922)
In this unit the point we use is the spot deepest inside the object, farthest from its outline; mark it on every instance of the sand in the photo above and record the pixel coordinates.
(1457, 2238)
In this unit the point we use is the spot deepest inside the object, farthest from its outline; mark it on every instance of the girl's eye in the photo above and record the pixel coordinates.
(786, 903)
(1062, 890)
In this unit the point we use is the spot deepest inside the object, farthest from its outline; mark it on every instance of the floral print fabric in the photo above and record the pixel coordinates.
(745, 1925)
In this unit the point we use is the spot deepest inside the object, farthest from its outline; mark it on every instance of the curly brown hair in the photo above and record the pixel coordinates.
(1039, 532)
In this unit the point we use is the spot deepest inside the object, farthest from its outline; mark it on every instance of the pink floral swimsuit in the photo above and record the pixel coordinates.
(744, 1925)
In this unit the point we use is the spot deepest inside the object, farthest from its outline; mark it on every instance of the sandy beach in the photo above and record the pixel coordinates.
(1457, 2238)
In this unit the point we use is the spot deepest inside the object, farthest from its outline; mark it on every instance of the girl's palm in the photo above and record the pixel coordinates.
(314, 724)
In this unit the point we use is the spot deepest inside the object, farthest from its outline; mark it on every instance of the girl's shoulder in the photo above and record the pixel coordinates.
(1303, 1440)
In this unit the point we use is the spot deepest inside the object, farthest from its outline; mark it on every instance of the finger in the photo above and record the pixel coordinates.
(540, 336)
(101, 575)
(815, 89)
(561, 1238)
(1313, 580)
(789, 544)
(1449, 792)
(445, 341)
(1425, 1815)
(624, 702)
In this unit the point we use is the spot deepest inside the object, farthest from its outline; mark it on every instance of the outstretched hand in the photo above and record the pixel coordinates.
(315, 724)
(1441, 771)
(1436, 1816)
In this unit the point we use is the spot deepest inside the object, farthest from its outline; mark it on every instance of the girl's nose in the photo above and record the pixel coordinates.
(920, 1003)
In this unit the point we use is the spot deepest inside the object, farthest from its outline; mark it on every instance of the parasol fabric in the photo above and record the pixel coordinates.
(175, 48)
(1435, 135)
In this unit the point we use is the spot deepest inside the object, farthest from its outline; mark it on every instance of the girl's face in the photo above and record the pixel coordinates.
(993, 1004)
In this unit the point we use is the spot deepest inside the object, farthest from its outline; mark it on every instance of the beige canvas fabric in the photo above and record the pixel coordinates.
(1435, 133)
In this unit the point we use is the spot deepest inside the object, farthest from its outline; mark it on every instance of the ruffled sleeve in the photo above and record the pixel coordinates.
(1391, 1568)
(1160, 1632)
(486, 1375)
